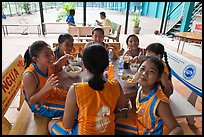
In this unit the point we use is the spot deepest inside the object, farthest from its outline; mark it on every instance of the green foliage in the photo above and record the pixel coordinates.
(26, 7)
(4, 6)
(66, 10)
(136, 20)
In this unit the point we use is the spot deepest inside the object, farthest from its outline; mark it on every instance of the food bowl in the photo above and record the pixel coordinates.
(76, 62)
(71, 73)
(134, 67)
(126, 80)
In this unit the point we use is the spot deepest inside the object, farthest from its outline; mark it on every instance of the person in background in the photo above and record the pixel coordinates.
(98, 37)
(70, 19)
(157, 49)
(153, 115)
(3, 16)
(105, 21)
(94, 100)
(134, 50)
(39, 83)
(65, 43)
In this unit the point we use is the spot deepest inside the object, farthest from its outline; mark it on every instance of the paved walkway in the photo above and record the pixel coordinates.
(92, 14)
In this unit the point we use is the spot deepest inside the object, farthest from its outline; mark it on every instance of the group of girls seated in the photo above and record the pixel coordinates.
(92, 106)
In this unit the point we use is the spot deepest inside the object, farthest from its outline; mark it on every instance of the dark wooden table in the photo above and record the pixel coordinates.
(66, 81)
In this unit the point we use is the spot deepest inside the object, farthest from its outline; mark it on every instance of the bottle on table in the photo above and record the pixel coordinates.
(126, 61)
(120, 66)
(110, 54)
(111, 71)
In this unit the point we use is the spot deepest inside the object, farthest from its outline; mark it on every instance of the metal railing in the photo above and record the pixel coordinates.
(173, 16)
(197, 10)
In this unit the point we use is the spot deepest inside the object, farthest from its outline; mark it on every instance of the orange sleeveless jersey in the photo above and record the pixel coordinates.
(143, 120)
(52, 96)
(96, 108)
(146, 119)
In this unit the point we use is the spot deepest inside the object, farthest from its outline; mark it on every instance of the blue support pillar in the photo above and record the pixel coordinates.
(113, 5)
(188, 9)
(121, 6)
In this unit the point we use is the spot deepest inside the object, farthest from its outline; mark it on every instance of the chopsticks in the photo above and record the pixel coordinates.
(137, 59)
(77, 57)
(69, 62)
(134, 65)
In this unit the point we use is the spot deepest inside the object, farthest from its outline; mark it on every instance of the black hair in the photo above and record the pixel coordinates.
(95, 59)
(132, 35)
(97, 29)
(103, 14)
(34, 51)
(63, 37)
(158, 49)
(159, 64)
(72, 12)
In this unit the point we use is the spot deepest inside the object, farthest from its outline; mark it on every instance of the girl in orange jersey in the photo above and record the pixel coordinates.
(134, 51)
(94, 100)
(65, 43)
(157, 49)
(153, 115)
(98, 37)
(39, 81)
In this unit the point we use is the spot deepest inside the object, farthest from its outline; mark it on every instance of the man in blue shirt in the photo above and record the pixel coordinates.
(70, 19)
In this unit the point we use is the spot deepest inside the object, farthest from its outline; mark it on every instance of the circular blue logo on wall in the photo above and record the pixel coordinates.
(189, 72)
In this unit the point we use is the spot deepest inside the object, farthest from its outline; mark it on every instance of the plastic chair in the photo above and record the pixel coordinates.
(116, 28)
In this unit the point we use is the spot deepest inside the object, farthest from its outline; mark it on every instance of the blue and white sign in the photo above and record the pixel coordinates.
(189, 72)
(185, 70)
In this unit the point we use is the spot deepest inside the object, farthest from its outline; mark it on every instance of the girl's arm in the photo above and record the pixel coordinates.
(164, 111)
(120, 52)
(30, 84)
(57, 67)
(167, 86)
(122, 101)
(70, 110)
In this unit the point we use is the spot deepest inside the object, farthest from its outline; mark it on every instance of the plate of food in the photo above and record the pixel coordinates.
(128, 80)
(74, 72)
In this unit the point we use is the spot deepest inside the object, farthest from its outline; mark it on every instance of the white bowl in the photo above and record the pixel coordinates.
(73, 74)
(126, 83)
(76, 62)
(134, 67)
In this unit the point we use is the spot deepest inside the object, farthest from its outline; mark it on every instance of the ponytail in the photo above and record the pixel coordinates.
(162, 86)
(27, 58)
(95, 59)
(96, 82)
(167, 64)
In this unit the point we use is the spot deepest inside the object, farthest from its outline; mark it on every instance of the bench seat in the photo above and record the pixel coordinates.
(28, 123)
(181, 107)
